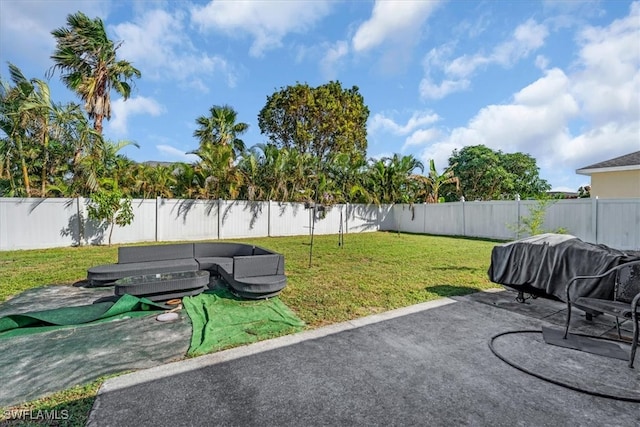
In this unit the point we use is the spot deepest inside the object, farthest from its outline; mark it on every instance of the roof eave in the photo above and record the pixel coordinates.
(589, 171)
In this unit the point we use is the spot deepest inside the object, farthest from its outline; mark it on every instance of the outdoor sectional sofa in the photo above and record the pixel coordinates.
(250, 271)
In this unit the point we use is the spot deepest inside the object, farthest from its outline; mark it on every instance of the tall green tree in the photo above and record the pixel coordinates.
(87, 60)
(525, 175)
(41, 109)
(434, 183)
(390, 179)
(321, 121)
(15, 123)
(110, 206)
(220, 128)
(486, 174)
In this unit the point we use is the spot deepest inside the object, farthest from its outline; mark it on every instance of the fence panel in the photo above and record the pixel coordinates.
(494, 220)
(328, 222)
(619, 223)
(186, 219)
(444, 218)
(386, 220)
(409, 218)
(33, 223)
(361, 218)
(574, 216)
(288, 219)
(141, 229)
(242, 218)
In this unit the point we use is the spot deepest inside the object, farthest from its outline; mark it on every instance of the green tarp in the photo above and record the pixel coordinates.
(127, 306)
(220, 320)
(33, 365)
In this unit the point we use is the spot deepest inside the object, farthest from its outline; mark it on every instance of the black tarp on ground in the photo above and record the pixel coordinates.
(32, 366)
(545, 263)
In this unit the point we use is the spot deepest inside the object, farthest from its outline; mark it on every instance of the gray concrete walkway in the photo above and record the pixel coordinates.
(428, 364)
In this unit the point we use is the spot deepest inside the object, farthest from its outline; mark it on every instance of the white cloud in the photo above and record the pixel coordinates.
(28, 25)
(600, 94)
(421, 137)
(172, 153)
(430, 90)
(417, 120)
(122, 110)
(394, 20)
(608, 81)
(332, 58)
(159, 46)
(542, 62)
(382, 155)
(266, 21)
(536, 122)
(526, 38)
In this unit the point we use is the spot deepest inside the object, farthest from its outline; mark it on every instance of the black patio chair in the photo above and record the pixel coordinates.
(626, 298)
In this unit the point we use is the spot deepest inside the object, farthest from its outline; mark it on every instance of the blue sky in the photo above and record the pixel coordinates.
(559, 80)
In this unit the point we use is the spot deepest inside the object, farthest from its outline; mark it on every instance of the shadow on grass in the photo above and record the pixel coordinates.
(450, 290)
(456, 268)
(481, 239)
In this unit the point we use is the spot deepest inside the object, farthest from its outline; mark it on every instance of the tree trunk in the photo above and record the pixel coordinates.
(113, 223)
(97, 123)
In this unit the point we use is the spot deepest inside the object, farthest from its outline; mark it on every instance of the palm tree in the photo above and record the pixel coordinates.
(41, 109)
(87, 60)
(220, 128)
(390, 179)
(434, 181)
(15, 122)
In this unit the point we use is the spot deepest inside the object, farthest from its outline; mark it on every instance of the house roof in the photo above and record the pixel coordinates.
(629, 161)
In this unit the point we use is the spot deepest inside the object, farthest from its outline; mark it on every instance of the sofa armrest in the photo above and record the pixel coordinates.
(258, 265)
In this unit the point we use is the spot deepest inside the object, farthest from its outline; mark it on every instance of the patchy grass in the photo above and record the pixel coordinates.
(370, 273)
(67, 408)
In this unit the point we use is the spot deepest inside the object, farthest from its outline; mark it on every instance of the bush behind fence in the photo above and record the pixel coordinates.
(28, 223)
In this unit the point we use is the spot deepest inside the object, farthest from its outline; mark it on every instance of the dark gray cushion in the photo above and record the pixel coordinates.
(215, 263)
(129, 254)
(261, 251)
(110, 272)
(260, 284)
(221, 249)
(257, 265)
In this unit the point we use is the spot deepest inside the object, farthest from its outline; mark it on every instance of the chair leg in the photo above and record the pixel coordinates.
(634, 343)
(618, 328)
(566, 327)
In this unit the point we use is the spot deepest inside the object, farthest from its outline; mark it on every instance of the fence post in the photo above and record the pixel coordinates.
(464, 225)
(81, 236)
(157, 209)
(269, 219)
(424, 219)
(346, 218)
(517, 216)
(594, 219)
(219, 217)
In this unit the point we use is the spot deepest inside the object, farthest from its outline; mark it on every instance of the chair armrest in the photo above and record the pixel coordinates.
(573, 280)
(257, 265)
(634, 306)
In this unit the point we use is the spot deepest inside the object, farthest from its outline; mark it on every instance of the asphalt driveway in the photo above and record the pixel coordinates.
(428, 364)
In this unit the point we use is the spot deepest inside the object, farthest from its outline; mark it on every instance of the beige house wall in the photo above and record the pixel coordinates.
(615, 185)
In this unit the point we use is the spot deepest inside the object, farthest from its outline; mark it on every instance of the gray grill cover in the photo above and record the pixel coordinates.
(544, 264)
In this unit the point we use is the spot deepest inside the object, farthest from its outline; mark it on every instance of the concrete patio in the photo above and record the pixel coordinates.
(428, 364)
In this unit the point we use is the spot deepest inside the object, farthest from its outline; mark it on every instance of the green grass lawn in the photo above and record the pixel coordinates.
(370, 273)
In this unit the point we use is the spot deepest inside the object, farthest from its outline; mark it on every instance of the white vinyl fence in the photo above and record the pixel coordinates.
(31, 223)
(612, 222)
